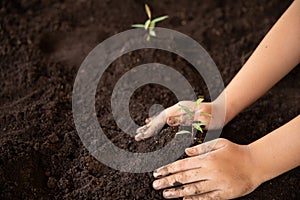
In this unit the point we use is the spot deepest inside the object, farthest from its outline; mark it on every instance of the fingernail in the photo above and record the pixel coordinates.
(190, 150)
(156, 174)
(156, 184)
(167, 193)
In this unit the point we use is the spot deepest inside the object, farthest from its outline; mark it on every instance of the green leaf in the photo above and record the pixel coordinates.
(198, 127)
(138, 25)
(183, 132)
(152, 25)
(152, 33)
(186, 109)
(147, 23)
(199, 101)
(205, 114)
(158, 19)
(148, 11)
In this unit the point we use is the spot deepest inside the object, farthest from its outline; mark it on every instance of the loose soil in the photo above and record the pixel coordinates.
(43, 43)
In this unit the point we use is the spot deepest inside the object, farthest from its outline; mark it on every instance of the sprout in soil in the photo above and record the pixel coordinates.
(149, 25)
(195, 125)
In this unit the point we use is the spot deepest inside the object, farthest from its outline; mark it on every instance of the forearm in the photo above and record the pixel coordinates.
(276, 55)
(277, 152)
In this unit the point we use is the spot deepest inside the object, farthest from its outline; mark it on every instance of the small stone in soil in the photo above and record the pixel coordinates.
(51, 182)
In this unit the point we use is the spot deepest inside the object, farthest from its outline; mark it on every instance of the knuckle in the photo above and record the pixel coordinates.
(198, 149)
(179, 165)
(165, 170)
(143, 128)
(196, 198)
(165, 182)
(196, 188)
(189, 189)
(179, 192)
(216, 195)
(222, 141)
(206, 148)
(210, 156)
(179, 179)
(207, 197)
(172, 168)
(175, 167)
(173, 120)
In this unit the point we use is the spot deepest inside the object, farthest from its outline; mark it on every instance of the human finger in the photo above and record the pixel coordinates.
(215, 195)
(181, 178)
(196, 188)
(180, 165)
(206, 147)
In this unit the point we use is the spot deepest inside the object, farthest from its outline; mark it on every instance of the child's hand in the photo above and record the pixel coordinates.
(218, 169)
(174, 116)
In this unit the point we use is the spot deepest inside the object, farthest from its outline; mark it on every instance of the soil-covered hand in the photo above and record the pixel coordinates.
(218, 169)
(174, 116)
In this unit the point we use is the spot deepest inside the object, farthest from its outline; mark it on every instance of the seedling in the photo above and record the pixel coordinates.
(150, 23)
(196, 125)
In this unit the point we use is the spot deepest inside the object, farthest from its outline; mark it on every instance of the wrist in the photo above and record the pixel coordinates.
(230, 102)
(258, 172)
(218, 110)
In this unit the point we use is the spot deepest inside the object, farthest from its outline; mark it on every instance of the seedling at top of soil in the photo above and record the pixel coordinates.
(150, 23)
(195, 125)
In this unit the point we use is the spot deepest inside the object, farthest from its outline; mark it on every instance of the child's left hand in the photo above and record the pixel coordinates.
(174, 116)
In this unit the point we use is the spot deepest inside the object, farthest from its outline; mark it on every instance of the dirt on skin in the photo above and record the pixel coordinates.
(43, 43)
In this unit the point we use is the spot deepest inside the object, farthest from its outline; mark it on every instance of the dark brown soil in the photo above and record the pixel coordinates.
(43, 43)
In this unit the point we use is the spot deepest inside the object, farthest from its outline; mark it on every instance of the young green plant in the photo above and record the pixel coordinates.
(150, 23)
(196, 125)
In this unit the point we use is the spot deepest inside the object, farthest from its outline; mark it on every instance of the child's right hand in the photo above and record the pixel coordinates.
(174, 116)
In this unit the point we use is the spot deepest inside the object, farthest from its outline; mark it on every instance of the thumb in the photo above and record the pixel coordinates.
(206, 147)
